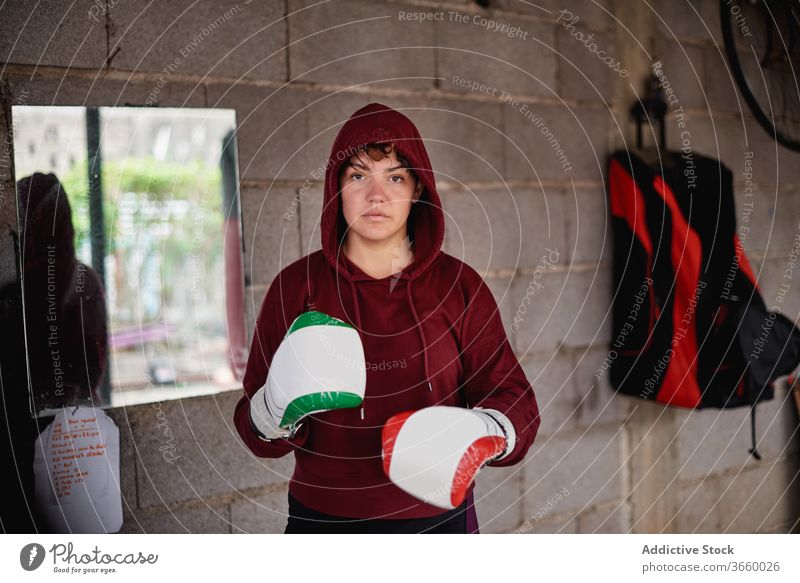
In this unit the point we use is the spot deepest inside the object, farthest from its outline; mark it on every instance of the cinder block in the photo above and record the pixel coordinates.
(203, 520)
(773, 274)
(464, 139)
(309, 215)
(552, 377)
(608, 519)
(712, 440)
(555, 143)
(271, 129)
(54, 34)
(266, 513)
(271, 240)
(760, 498)
(771, 162)
(561, 524)
(504, 229)
(213, 460)
(721, 89)
(363, 41)
(456, 3)
(699, 507)
(593, 12)
(770, 220)
(585, 132)
(589, 238)
(104, 92)
(538, 323)
(543, 322)
(498, 498)
(777, 430)
(577, 470)
(520, 61)
(598, 402)
(785, 528)
(127, 460)
(682, 65)
(652, 465)
(225, 39)
(587, 301)
(709, 12)
(583, 75)
(676, 21)
(715, 440)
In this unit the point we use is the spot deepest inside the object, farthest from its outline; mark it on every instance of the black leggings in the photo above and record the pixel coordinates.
(303, 519)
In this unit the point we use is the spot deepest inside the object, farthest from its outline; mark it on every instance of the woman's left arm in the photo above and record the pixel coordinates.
(492, 376)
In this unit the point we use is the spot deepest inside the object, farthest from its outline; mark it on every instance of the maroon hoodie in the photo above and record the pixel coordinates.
(432, 335)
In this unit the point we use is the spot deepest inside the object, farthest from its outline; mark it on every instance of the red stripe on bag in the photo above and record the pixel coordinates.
(680, 381)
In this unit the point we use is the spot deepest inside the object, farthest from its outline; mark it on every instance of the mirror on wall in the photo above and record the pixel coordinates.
(130, 252)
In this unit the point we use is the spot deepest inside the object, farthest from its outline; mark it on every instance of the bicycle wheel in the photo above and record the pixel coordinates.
(762, 43)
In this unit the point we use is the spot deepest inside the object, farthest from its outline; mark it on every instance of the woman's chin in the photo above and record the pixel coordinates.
(370, 229)
(375, 234)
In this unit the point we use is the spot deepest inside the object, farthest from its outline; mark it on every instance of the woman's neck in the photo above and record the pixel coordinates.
(380, 259)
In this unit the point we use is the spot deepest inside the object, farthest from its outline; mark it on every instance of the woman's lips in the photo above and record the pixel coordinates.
(375, 216)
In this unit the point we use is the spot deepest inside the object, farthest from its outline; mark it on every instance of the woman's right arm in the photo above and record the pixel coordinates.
(274, 319)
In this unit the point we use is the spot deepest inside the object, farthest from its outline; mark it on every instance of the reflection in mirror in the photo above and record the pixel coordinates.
(129, 223)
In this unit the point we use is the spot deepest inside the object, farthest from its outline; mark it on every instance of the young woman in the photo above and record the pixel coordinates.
(431, 332)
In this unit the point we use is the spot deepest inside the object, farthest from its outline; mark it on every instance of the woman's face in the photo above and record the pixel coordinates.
(377, 197)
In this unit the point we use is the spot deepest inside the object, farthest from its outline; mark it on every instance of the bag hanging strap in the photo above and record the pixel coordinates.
(753, 451)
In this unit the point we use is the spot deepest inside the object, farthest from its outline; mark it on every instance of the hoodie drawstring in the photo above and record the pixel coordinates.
(416, 319)
(310, 304)
(358, 325)
(421, 333)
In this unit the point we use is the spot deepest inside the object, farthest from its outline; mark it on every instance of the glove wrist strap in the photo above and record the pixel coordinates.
(262, 421)
(505, 425)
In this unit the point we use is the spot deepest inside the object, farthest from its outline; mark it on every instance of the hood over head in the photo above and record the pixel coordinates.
(377, 123)
(46, 229)
(59, 291)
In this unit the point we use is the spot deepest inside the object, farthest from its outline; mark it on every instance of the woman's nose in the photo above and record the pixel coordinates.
(376, 193)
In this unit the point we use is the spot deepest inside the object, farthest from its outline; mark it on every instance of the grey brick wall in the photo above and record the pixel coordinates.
(294, 73)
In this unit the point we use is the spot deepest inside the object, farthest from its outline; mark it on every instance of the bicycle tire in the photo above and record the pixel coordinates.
(763, 119)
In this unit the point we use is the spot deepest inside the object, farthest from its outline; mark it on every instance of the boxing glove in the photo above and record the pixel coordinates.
(318, 366)
(435, 453)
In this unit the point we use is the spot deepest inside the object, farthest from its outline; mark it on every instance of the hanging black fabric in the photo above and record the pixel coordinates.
(690, 327)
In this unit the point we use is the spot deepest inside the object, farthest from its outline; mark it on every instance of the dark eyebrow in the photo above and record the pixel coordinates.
(360, 165)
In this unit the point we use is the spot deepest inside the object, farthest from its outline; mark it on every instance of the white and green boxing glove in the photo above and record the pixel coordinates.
(318, 366)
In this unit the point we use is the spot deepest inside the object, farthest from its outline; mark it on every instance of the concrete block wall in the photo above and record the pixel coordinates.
(533, 221)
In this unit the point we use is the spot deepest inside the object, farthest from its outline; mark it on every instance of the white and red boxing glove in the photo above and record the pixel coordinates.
(435, 453)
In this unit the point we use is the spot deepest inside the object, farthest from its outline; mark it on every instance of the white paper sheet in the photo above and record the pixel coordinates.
(76, 469)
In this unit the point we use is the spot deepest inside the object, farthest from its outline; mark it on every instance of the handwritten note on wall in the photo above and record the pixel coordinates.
(76, 466)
